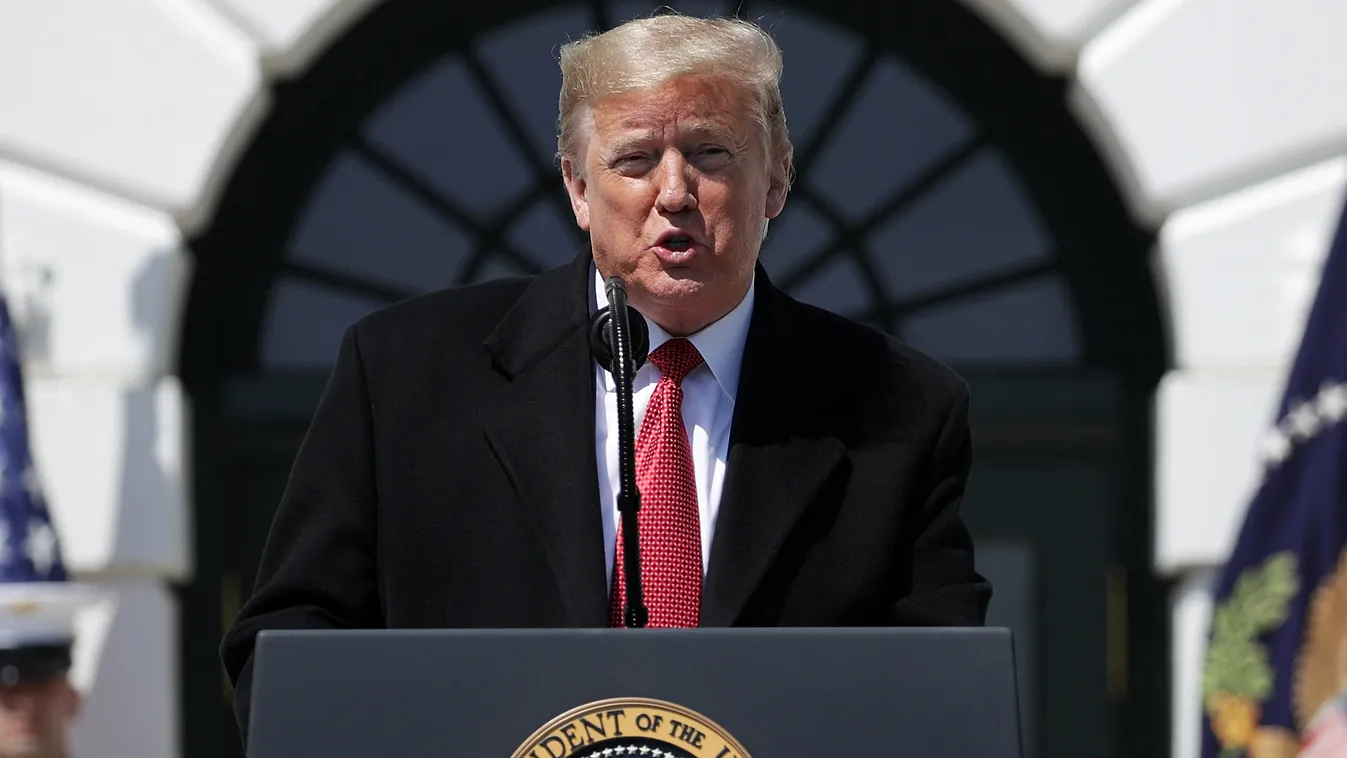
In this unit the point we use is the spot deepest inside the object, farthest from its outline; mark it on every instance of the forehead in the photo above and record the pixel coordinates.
(689, 103)
(40, 687)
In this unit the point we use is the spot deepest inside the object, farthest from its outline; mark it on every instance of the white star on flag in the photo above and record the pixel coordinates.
(41, 546)
(31, 484)
(1304, 420)
(1332, 402)
(1275, 446)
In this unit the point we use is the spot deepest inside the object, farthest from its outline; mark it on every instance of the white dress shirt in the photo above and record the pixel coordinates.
(708, 408)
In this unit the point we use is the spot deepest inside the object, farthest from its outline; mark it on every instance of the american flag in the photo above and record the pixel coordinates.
(29, 549)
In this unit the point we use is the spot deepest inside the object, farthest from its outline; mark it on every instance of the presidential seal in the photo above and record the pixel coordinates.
(637, 727)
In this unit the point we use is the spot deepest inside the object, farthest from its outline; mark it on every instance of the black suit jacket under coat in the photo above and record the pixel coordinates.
(449, 479)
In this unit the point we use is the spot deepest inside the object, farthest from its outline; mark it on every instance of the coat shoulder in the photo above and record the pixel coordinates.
(465, 313)
(445, 325)
(881, 362)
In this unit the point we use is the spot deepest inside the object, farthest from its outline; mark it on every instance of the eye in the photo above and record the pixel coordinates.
(710, 157)
(632, 161)
(711, 150)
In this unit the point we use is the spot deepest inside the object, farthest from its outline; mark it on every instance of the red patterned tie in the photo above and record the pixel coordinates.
(670, 522)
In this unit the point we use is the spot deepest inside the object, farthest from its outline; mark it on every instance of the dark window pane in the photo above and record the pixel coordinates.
(1028, 323)
(359, 222)
(496, 266)
(838, 287)
(522, 58)
(975, 223)
(702, 7)
(305, 322)
(620, 11)
(791, 237)
(545, 236)
(818, 56)
(443, 131)
(899, 126)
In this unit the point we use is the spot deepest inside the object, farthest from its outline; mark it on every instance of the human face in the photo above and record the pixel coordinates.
(34, 718)
(684, 159)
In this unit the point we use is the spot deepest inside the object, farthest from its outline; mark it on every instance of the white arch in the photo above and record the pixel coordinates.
(120, 124)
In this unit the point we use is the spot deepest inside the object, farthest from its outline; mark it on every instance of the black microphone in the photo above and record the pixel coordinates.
(620, 342)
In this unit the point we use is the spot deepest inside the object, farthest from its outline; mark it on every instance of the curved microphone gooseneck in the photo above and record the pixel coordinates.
(621, 342)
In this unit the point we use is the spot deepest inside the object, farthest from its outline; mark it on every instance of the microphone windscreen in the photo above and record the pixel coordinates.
(601, 337)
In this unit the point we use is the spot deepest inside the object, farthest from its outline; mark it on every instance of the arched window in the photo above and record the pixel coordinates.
(930, 202)
(906, 216)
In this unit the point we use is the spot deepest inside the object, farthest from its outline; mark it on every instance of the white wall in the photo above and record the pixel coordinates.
(96, 284)
(1223, 121)
(1225, 126)
(115, 120)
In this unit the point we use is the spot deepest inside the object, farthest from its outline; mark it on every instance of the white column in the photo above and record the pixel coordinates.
(1225, 128)
(96, 285)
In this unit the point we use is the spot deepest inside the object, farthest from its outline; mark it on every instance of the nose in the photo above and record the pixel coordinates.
(677, 192)
(15, 699)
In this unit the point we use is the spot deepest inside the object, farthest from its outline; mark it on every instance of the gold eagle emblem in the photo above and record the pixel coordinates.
(631, 727)
(1321, 669)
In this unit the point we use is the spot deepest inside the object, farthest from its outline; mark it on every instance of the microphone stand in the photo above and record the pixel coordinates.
(621, 352)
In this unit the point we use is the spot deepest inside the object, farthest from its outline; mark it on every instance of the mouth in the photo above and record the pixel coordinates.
(675, 247)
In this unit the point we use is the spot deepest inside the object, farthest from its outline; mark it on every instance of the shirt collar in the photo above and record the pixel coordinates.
(721, 343)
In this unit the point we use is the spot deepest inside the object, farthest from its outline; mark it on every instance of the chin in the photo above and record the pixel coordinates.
(670, 289)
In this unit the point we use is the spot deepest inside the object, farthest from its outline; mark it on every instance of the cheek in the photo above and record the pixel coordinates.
(730, 212)
(620, 210)
(54, 714)
(623, 190)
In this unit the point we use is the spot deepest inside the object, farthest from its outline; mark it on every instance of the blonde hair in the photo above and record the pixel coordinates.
(647, 52)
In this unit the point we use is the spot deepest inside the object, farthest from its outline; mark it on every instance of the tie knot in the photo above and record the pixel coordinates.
(676, 359)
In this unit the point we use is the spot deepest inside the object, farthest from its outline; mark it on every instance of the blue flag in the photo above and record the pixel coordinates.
(1276, 664)
(29, 549)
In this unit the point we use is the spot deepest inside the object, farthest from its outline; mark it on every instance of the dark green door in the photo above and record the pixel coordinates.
(1056, 512)
(248, 435)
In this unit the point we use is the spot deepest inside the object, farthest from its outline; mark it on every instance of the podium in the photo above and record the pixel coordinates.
(648, 693)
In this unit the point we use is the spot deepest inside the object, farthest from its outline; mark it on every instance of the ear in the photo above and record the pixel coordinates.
(74, 701)
(574, 178)
(777, 189)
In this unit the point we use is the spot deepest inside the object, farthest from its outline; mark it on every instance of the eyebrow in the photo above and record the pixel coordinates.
(711, 129)
(631, 140)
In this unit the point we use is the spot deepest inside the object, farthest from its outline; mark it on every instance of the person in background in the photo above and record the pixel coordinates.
(37, 700)
(38, 602)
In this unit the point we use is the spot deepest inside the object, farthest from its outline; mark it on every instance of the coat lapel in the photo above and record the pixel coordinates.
(776, 464)
(542, 430)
